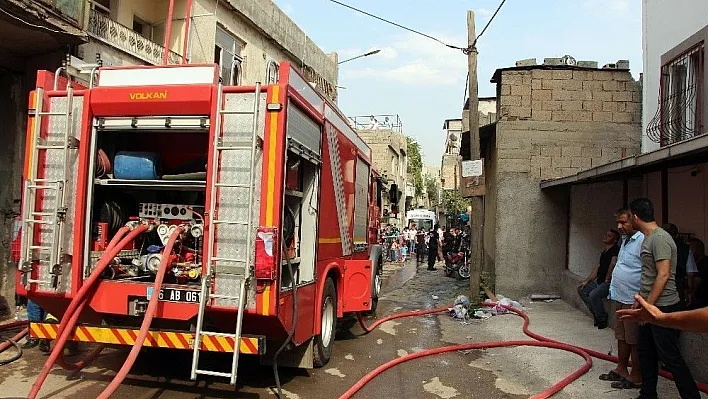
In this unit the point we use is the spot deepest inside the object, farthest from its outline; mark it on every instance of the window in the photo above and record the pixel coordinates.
(101, 6)
(142, 27)
(679, 115)
(272, 72)
(227, 53)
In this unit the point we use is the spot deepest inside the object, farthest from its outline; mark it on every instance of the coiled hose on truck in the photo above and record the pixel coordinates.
(540, 341)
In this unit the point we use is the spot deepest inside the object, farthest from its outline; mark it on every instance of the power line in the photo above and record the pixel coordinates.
(488, 23)
(35, 25)
(398, 25)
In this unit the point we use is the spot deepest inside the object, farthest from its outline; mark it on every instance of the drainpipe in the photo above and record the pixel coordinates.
(168, 31)
(187, 19)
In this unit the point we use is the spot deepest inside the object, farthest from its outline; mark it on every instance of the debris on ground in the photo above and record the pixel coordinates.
(495, 306)
(544, 297)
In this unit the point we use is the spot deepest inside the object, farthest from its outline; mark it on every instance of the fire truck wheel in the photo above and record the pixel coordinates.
(377, 278)
(325, 340)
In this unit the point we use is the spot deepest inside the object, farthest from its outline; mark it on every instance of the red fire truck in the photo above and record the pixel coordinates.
(159, 203)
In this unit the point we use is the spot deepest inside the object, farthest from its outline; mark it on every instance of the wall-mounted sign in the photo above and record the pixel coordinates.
(472, 168)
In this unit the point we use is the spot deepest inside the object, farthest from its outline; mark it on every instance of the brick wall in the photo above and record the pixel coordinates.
(552, 123)
(570, 96)
(556, 123)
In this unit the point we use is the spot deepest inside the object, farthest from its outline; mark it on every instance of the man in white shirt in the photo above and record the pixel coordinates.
(412, 232)
(373, 123)
(625, 283)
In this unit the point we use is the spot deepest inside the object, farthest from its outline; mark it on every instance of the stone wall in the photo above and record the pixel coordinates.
(552, 123)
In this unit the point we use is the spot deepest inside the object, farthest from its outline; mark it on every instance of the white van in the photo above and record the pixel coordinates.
(422, 218)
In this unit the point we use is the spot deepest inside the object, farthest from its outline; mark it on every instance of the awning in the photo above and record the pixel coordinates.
(486, 132)
(689, 152)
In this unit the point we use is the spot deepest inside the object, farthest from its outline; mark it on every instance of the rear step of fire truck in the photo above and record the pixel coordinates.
(237, 267)
(51, 217)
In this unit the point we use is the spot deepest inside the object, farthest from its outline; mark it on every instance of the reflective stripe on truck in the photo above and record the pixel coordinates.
(250, 345)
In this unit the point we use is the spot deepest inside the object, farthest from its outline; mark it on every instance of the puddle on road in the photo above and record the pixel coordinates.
(399, 277)
(287, 394)
(437, 388)
(335, 372)
(389, 327)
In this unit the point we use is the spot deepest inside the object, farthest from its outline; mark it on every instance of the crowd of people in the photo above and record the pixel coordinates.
(650, 276)
(425, 244)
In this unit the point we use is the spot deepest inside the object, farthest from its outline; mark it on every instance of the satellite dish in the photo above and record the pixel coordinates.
(453, 137)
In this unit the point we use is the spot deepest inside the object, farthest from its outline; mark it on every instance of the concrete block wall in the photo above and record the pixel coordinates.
(602, 95)
(552, 123)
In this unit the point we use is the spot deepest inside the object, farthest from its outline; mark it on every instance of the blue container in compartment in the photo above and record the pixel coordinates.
(132, 165)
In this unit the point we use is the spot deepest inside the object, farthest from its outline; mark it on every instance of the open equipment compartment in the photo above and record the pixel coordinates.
(155, 173)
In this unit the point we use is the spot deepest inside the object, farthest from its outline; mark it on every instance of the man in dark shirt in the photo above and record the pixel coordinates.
(698, 282)
(594, 290)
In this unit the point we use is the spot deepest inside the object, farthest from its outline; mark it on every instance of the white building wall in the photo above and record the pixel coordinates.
(666, 23)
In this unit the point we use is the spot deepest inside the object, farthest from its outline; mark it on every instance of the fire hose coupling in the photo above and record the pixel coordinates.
(133, 224)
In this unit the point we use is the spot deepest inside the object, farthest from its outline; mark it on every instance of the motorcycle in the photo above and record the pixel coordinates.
(457, 265)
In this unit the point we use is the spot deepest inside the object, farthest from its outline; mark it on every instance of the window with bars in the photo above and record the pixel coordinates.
(679, 115)
(272, 72)
(227, 53)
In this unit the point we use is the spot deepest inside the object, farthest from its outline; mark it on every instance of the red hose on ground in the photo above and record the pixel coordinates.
(147, 319)
(7, 344)
(71, 315)
(484, 345)
(541, 342)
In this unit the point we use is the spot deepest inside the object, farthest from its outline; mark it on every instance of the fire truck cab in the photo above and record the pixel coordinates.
(264, 194)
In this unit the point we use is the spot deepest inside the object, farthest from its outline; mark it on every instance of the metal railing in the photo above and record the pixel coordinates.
(126, 39)
(377, 122)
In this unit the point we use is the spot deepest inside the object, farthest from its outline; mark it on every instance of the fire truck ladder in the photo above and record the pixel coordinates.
(240, 270)
(52, 216)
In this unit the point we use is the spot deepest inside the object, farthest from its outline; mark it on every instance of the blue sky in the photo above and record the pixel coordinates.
(424, 82)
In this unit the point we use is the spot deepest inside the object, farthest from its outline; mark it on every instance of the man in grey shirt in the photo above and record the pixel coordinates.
(658, 287)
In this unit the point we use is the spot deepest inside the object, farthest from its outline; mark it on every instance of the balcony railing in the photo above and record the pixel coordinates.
(125, 39)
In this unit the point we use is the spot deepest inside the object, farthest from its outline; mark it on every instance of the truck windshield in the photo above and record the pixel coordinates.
(426, 224)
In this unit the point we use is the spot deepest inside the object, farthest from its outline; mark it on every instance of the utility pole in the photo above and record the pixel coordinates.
(477, 220)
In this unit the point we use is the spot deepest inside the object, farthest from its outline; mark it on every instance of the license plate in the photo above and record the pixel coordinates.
(175, 295)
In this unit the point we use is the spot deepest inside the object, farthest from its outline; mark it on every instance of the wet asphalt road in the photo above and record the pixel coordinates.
(164, 374)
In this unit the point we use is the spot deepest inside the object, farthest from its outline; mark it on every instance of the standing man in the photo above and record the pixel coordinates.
(698, 281)
(420, 251)
(658, 288)
(686, 263)
(624, 285)
(412, 232)
(595, 288)
(433, 246)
